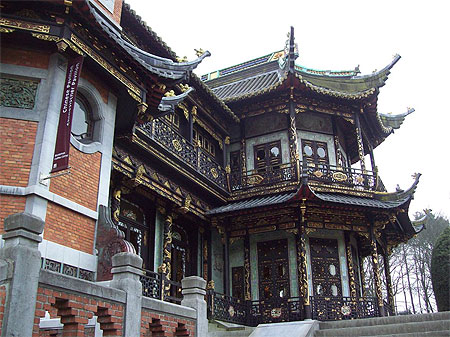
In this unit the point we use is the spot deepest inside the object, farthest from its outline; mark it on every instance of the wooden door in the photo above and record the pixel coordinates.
(326, 274)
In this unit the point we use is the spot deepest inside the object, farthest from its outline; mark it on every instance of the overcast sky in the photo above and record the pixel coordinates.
(339, 35)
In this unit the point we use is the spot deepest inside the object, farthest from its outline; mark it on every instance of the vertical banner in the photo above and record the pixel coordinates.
(62, 145)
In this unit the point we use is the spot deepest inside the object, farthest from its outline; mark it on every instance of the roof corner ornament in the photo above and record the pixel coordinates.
(170, 101)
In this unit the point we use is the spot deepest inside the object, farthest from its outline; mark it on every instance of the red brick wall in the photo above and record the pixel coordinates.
(2, 304)
(28, 58)
(117, 10)
(98, 84)
(16, 148)
(10, 204)
(81, 186)
(165, 324)
(75, 310)
(69, 228)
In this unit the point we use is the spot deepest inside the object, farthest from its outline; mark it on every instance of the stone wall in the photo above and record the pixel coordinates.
(73, 304)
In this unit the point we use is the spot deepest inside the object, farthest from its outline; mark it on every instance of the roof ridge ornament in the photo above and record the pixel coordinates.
(291, 51)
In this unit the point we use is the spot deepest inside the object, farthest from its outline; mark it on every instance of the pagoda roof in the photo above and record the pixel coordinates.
(161, 66)
(266, 73)
(378, 200)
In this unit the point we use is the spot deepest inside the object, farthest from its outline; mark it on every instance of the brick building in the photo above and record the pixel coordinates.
(189, 173)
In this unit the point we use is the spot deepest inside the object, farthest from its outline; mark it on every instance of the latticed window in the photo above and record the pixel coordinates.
(315, 152)
(267, 155)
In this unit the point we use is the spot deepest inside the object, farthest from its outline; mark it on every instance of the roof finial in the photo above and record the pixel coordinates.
(293, 51)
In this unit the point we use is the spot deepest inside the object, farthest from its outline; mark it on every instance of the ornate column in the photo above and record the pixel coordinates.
(243, 150)
(387, 272)
(360, 142)
(165, 268)
(293, 139)
(351, 268)
(376, 271)
(115, 205)
(247, 278)
(362, 275)
(302, 263)
(226, 265)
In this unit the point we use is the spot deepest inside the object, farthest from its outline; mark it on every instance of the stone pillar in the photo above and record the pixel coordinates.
(21, 249)
(376, 272)
(126, 272)
(194, 291)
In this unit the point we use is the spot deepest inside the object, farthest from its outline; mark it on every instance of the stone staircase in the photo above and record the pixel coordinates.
(425, 325)
(223, 329)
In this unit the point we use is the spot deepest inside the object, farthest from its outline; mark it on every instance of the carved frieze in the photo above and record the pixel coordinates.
(18, 93)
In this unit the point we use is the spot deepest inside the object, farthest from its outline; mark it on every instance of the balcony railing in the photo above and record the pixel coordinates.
(229, 309)
(341, 308)
(323, 173)
(343, 176)
(180, 147)
(152, 287)
(262, 177)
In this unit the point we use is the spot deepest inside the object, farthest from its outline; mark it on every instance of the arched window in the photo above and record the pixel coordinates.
(82, 120)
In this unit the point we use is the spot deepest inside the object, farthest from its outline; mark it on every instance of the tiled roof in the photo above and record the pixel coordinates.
(252, 203)
(248, 86)
(360, 201)
(244, 81)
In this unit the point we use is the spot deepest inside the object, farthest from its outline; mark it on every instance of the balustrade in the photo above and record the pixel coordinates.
(344, 176)
(229, 309)
(152, 287)
(261, 177)
(191, 155)
(343, 308)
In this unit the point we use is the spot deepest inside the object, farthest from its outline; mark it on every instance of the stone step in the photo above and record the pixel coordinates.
(386, 320)
(236, 333)
(387, 329)
(443, 333)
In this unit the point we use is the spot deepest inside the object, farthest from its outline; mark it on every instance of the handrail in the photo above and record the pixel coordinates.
(192, 155)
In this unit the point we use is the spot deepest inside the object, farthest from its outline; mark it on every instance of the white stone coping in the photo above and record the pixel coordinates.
(82, 287)
(50, 196)
(57, 252)
(168, 308)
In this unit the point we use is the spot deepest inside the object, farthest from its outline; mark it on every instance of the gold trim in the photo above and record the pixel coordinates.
(6, 30)
(105, 64)
(24, 25)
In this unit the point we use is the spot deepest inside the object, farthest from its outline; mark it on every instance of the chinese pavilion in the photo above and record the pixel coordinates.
(253, 177)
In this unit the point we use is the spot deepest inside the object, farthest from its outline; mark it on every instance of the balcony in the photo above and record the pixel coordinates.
(326, 174)
(229, 309)
(262, 177)
(192, 156)
(347, 177)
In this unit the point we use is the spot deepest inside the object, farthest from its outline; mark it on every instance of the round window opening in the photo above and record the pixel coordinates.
(274, 151)
(308, 150)
(261, 154)
(321, 152)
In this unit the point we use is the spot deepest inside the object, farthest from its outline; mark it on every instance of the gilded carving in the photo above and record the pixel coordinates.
(6, 30)
(351, 270)
(24, 25)
(18, 93)
(45, 37)
(177, 145)
(105, 64)
(214, 172)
